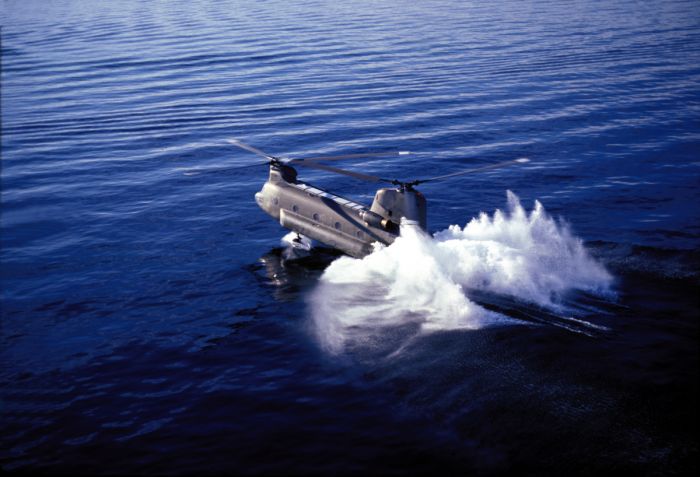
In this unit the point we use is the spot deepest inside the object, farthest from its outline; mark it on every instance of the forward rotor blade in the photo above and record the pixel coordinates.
(348, 156)
(250, 148)
(195, 171)
(521, 160)
(356, 175)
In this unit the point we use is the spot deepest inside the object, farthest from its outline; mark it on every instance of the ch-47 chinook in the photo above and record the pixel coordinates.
(339, 222)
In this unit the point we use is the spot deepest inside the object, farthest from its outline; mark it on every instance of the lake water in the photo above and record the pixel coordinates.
(150, 320)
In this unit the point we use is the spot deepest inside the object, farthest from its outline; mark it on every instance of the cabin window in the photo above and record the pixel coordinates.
(316, 217)
(337, 225)
(295, 208)
(275, 201)
(359, 234)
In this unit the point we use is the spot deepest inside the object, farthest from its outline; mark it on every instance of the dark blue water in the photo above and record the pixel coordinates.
(151, 325)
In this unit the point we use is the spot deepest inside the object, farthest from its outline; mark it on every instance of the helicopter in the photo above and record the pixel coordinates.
(314, 213)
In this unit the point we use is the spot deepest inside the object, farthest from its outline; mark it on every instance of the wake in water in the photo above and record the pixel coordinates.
(421, 283)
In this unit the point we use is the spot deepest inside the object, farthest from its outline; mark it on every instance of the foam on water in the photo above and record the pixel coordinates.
(425, 281)
(296, 245)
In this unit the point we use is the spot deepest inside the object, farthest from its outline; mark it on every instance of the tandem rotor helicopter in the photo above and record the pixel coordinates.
(339, 222)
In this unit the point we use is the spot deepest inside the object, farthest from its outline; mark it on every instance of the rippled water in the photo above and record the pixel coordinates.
(151, 324)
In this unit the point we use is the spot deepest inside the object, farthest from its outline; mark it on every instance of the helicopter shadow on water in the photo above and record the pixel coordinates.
(291, 272)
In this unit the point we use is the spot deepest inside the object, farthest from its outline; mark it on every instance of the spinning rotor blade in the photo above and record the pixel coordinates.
(195, 171)
(521, 160)
(348, 156)
(242, 145)
(252, 149)
(312, 162)
(356, 175)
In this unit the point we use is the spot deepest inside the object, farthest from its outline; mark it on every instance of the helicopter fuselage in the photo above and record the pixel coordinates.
(336, 221)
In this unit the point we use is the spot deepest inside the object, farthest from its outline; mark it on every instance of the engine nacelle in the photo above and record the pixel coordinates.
(375, 220)
(404, 203)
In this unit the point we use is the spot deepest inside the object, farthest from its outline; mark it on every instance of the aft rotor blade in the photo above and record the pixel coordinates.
(356, 175)
(521, 160)
(250, 148)
(348, 156)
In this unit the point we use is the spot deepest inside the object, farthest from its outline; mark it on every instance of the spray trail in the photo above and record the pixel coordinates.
(420, 283)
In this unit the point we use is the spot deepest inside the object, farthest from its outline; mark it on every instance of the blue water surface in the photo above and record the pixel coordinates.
(151, 325)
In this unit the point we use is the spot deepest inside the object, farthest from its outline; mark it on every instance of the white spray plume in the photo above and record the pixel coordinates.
(425, 282)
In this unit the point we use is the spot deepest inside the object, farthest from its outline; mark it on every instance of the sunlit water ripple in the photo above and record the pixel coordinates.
(149, 320)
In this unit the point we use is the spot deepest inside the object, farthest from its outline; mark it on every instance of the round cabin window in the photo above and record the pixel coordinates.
(316, 217)
(337, 225)
(295, 208)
